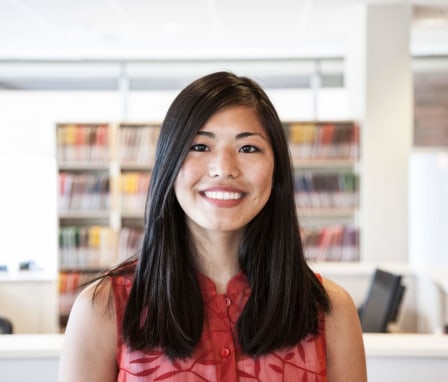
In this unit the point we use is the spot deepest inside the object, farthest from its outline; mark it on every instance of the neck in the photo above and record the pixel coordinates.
(217, 257)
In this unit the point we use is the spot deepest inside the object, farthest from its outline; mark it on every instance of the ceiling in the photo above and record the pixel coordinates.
(88, 29)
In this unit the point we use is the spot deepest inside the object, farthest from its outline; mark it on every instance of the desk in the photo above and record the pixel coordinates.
(406, 357)
(390, 357)
(30, 357)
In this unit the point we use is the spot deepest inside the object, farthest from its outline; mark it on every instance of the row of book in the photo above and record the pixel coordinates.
(95, 247)
(134, 188)
(323, 140)
(83, 192)
(83, 143)
(130, 242)
(137, 144)
(90, 247)
(332, 243)
(322, 190)
(70, 285)
(90, 142)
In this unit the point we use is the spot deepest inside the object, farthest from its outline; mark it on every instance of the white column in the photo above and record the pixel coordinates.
(381, 94)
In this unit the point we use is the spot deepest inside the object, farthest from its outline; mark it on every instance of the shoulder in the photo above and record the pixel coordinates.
(90, 337)
(345, 348)
(339, 297)
(343, 315)
(93, 304)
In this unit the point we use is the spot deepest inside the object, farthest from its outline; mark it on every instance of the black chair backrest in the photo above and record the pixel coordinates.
(5, 326)
(382, 303)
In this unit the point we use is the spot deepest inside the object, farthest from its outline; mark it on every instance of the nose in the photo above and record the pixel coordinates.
(224, 164)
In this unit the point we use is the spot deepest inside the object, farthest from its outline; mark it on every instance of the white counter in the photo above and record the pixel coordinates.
(390, 357)
(406, 345)
(30, 357)
(20, 346)
(21, 276)
(406, 357)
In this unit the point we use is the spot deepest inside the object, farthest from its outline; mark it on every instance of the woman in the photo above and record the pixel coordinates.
(221, 290)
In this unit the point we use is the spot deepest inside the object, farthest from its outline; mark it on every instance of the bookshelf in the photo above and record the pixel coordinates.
(104, 172)
(136, 150)
(103, 175)
(325, 156)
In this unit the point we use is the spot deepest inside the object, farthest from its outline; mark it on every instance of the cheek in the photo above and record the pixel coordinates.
(186, 179)
(190, 170)
(264, 182)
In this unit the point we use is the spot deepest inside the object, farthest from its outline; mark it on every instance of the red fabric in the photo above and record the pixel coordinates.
(218, 357)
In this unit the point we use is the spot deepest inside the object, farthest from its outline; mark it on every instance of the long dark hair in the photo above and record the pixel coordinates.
(165, 307)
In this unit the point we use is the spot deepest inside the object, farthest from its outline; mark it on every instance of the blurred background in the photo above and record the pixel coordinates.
(85, 85)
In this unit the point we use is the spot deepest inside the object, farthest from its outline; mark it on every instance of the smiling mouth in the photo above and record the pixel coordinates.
(222, 195)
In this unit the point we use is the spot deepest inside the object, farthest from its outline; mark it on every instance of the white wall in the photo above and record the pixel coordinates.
(428, 223)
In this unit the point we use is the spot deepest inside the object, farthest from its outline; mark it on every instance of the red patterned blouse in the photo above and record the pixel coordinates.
(218, 357)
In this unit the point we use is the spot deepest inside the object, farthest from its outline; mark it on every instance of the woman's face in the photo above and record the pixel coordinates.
(226, 178)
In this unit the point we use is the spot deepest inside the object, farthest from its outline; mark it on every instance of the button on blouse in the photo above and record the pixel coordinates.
(225, 352)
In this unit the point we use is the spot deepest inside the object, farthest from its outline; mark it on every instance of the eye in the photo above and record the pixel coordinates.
(249, 149)
(199, 147)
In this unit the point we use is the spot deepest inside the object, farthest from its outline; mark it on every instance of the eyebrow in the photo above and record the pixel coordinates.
(238, 136)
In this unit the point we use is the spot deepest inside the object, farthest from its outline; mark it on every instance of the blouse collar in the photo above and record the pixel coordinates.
(237, 284)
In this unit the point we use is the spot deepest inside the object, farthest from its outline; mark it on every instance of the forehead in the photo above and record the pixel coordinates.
(235, 117)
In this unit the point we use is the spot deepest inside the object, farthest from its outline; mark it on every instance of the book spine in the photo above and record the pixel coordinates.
(326, 190)
(130, 242)
(134, 187)
(83, 192)
(138, 144)
(82, 143)
(323, 140)
(331, 243)
(90, 247)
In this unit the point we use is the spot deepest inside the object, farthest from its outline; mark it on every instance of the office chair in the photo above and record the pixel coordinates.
(382, 303)
(5, 326)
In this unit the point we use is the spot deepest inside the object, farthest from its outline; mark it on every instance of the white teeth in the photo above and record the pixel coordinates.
(223, 195)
